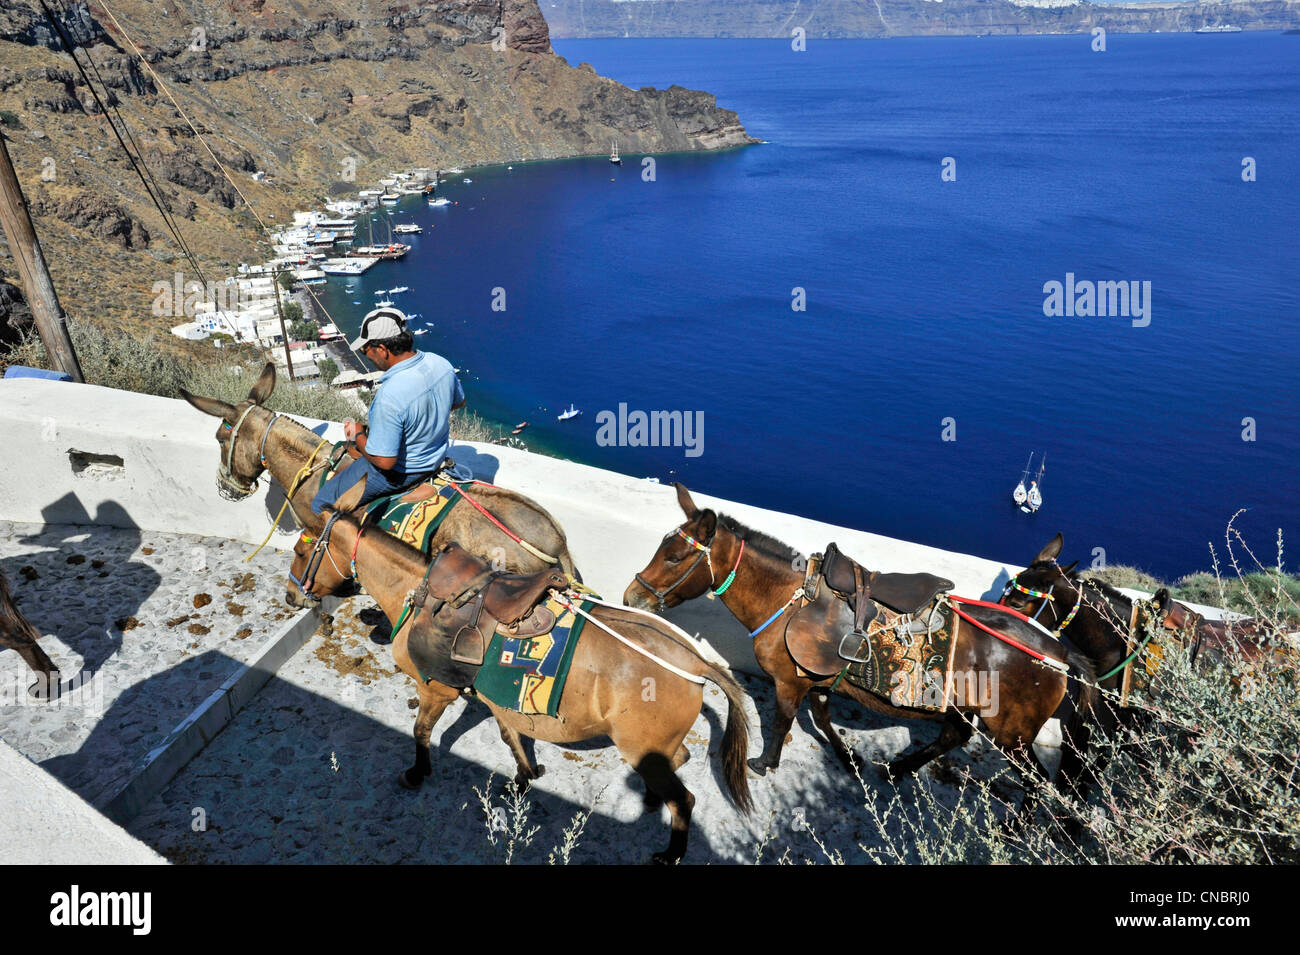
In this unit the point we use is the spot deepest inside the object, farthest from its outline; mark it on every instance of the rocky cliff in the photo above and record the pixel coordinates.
(324, 96)
(876, 18)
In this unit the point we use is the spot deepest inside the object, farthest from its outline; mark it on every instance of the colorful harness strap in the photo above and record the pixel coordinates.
(539, 554)
(731, 576)
(768, 622)
(1055, 664)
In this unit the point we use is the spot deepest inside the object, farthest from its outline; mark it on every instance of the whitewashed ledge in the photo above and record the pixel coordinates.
(81, 454)
(44, 822)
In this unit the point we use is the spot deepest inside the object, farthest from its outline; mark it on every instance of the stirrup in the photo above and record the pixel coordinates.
(861, 636)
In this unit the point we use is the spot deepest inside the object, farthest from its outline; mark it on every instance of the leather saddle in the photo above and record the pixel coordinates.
(902, 593)
(461, 590)
(831, 631)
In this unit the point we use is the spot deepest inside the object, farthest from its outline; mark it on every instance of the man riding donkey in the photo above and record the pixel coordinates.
(409, 431)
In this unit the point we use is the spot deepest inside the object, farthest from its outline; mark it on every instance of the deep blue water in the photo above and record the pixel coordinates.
(924, 298)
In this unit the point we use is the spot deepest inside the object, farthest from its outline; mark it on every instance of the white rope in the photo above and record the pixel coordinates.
(566, 602)
(699, 644)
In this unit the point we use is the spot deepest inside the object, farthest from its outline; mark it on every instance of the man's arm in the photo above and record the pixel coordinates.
(352, 431)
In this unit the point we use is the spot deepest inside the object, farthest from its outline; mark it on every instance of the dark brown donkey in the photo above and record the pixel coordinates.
(605, 691)
(17, 633)
(765, 580)
(252, 439)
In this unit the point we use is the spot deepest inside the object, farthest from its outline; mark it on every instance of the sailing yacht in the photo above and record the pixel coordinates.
(613, 154)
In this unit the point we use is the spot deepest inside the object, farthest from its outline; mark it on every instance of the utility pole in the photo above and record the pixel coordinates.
(284, 334)
(38, 288)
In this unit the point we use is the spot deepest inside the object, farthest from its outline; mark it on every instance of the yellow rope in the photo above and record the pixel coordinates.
(297, 483)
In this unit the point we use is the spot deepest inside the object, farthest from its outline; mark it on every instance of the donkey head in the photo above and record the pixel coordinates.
(241, 463)
(679, 569)
(1042, 581)
(320, 562)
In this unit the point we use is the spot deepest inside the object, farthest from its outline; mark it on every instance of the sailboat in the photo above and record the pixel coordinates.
(573, 412)
(1021, 493)
(613, 154)
(1030, 499)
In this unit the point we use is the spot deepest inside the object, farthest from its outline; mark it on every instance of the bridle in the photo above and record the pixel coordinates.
(228, 485)
(1047, 597)
(321, 550)
(705, 554)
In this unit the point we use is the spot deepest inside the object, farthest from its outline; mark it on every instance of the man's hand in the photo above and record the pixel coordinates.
(351, 429)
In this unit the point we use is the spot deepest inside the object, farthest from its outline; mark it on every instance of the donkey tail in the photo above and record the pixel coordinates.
(735, 740)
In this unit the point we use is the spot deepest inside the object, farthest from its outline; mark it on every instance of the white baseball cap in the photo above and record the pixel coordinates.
(380, 325)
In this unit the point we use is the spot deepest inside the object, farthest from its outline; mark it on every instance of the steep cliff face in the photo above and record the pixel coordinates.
(325, 96)
(863, 18)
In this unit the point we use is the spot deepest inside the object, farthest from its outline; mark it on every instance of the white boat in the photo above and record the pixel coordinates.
(573, 412)
(467, 180)
(420, 331)
(454, 172)
(389, 198)
(613, 154)
(384, 303)
(354, 266)
(399, 290)
(439, 201)
(407, 228)
(1030, 499)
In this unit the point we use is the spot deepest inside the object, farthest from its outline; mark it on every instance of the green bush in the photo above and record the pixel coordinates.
(303, 331)
(292, 313)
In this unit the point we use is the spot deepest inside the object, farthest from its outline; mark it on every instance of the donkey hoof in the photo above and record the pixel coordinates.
(404, 779)
(757, 766)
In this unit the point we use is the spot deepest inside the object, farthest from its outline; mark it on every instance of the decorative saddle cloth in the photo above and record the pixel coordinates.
(524, 667)
(899, 649)
(413, 515)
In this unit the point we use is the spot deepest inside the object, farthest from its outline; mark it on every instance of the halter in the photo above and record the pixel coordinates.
(226, 481)
(704, 554)
(1046, 597)
(320, 549)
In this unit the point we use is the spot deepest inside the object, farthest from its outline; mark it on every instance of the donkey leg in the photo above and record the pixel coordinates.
(821, 711)
(525, 770)
(660, 778)
(434, 700)
(788, 697)
(653, 801)
(954, 732)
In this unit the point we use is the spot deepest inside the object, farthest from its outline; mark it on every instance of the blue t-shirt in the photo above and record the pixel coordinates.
(408, 416)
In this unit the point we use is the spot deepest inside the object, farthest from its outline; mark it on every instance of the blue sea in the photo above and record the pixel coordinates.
(923, 298)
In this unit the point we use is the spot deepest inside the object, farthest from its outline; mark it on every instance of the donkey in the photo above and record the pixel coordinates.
(604, 695)
(252, 439)
(759, 589)
(17, 633)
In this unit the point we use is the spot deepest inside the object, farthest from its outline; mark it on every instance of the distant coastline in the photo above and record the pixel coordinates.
(592, 19)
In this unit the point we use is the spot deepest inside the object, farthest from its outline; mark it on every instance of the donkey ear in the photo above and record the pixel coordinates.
(350, 498)
(264, 386)
(684, 500)
(1161, 600)
(1052, 550)
(212, 406)
(1067, 570)
(708, 526)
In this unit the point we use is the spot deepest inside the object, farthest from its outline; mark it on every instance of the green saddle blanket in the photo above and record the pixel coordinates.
(528, 674)
(414, 522)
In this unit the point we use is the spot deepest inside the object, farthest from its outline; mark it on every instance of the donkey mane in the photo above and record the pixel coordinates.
(763, 543)
(1109, 593)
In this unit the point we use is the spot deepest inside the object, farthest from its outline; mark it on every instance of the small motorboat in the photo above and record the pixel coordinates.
(573, 412)
(439, 201)
(467, 180)
(399, 290)
(519, 427)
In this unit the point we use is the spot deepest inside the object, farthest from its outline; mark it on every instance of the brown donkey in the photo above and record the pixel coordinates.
(17, 633)
(252, 439)
(604, 694)
(1028, 693)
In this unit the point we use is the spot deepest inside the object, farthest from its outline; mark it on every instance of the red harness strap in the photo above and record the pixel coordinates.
(486, 513)
(1050, 661)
